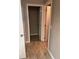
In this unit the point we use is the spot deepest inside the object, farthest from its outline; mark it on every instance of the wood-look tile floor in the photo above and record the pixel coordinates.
(37, 50)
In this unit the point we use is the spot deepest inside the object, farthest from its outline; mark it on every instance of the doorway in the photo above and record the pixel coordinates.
(38, 11)
(34, 21)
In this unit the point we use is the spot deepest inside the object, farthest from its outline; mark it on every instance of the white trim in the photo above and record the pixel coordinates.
(22, 58)
(34, 34)
(50, 54)
(42, 25)
(34, 5)
(28, 23)
(49, 29)
(42, 36)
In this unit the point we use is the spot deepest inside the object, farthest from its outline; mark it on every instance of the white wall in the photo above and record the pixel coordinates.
(21, 39)
(54, 42)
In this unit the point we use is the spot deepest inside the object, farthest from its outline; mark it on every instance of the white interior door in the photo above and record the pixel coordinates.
(21, 39)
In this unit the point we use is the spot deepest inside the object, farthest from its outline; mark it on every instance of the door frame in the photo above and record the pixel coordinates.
(42, 22)
(49, 28)
(49, 22)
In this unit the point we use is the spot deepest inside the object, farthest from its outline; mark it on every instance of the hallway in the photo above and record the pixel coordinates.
(41, 29)
(37, 50)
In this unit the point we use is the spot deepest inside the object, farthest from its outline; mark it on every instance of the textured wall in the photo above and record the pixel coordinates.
(54, 42)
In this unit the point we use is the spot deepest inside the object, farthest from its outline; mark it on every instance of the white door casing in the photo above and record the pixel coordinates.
(42, 21)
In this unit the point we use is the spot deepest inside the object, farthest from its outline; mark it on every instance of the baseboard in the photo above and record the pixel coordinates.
(34, 34)
(22, 58)
(27, 41)
(50, 54)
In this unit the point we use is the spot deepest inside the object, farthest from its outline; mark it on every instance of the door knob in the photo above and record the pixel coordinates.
(21, 35)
